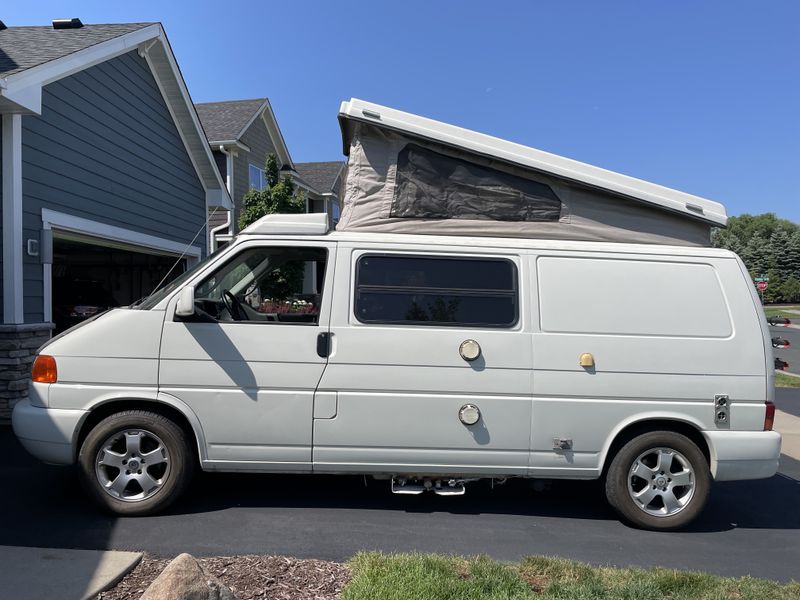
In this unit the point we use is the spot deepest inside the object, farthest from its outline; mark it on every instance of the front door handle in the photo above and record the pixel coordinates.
(324, 344)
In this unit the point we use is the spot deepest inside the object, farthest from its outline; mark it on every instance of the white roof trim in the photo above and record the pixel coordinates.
(274, 131)
(22, 93)
(105, 232)
(680, 202)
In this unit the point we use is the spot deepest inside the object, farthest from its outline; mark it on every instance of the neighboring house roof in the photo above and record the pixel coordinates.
(24, 47)
(322, 176)
(383, 117)
(226, 122)
(32, 57)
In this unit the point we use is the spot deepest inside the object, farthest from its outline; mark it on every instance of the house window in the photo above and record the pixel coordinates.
(258, 178)
(438, 291)
(336, 213)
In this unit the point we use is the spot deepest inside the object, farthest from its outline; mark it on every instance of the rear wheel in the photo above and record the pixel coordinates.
(659, 480)
(135, 462)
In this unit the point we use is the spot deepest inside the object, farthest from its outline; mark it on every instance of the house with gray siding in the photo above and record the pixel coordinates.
(241, 134)
(107, 178)
(326, 178)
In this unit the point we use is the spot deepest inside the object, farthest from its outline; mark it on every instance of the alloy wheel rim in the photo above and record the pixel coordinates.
(132, 465)
(661, 482)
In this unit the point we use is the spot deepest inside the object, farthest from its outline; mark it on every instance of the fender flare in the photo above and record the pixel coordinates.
(149, 395)
(644, 417)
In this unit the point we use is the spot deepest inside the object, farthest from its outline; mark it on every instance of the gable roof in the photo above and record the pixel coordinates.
(227, 121)
(24, 47)
(322, 176)
(480, 144)
(32, 57)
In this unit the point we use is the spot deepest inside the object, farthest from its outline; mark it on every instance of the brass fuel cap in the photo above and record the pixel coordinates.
(469, 414)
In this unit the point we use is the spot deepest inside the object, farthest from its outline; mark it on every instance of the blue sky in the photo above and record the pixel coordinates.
(702, 96)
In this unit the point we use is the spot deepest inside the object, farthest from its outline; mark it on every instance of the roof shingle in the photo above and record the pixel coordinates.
(22, 48)
(224, 121)
(320, 175)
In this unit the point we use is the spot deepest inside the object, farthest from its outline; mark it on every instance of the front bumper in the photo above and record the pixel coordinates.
(739, 455)
(47, 433)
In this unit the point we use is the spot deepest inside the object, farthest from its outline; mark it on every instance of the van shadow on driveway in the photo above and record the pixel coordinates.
(335, 516)
(42, 494)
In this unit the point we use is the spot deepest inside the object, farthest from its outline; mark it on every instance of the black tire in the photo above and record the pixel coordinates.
(631, 511)
(175, 472)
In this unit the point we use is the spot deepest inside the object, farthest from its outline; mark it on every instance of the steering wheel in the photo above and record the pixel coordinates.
(233, 306)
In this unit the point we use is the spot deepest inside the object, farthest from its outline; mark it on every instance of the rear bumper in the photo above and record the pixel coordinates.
(743, 454)
(47, 433)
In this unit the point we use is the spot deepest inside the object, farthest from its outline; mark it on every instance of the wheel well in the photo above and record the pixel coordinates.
(109, 408)
(640, 427)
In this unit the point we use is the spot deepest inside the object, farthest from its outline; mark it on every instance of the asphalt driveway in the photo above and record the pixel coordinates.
(748, 528)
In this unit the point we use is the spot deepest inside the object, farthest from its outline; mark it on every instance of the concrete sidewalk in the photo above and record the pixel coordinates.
(789, 427)
(47, 573)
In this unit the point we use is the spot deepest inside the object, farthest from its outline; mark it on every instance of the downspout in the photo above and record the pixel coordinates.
(228, 224)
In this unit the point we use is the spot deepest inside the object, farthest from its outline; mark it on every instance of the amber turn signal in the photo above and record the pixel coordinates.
(44, 369)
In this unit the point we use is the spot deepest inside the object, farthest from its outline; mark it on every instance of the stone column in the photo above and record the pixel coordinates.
(18, 345)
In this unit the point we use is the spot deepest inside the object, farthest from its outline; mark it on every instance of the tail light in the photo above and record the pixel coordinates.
(769, 417)
(44, 369)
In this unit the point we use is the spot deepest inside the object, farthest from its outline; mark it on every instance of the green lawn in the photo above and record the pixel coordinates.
(784, 380)
(436, 577)
(776, 311)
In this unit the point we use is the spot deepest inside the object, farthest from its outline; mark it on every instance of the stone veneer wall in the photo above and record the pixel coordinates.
(18, 345)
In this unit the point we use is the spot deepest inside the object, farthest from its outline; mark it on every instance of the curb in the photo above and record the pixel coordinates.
(115, 580)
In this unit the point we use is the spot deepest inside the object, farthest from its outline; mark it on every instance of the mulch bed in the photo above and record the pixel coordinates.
(249, 577)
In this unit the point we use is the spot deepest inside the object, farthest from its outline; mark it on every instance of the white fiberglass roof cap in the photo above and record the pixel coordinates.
(289, 224)
(538, 160)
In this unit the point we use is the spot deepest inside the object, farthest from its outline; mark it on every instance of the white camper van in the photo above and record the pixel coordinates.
(483, 310)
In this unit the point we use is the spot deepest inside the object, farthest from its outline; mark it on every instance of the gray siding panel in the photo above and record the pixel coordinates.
(105, 148)
(257, 139)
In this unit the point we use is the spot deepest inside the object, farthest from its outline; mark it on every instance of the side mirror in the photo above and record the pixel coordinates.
(185, 306)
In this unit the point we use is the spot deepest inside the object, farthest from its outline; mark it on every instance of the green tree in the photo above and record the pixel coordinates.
(779, 245)
(756, 255)
(279, 196)
(790, 290)
(793, 254)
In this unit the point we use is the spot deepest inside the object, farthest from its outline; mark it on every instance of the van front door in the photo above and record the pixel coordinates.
(403, 379)
(247, 362)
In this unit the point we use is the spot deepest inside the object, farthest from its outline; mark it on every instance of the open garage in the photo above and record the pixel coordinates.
(90, 275)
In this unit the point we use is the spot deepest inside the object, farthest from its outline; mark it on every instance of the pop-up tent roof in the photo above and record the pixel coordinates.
(409, 174)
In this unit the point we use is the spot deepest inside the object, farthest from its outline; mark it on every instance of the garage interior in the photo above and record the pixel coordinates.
(91, 275)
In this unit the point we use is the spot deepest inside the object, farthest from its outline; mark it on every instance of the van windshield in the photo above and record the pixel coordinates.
(158, 295)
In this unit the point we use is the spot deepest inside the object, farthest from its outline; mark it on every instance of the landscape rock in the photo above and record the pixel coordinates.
(185, 579)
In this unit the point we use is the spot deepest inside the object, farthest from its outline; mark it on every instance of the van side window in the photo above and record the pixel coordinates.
(270, 284)
(425, 290)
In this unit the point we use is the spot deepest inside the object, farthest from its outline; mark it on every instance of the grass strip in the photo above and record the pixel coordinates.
(437, 577)
(786, 381)
(781, 311)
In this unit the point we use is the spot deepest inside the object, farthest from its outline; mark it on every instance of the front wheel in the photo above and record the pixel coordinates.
(135, 462)
(659, 480)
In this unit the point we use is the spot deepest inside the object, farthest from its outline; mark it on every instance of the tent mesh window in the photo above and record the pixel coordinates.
(431, 185)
